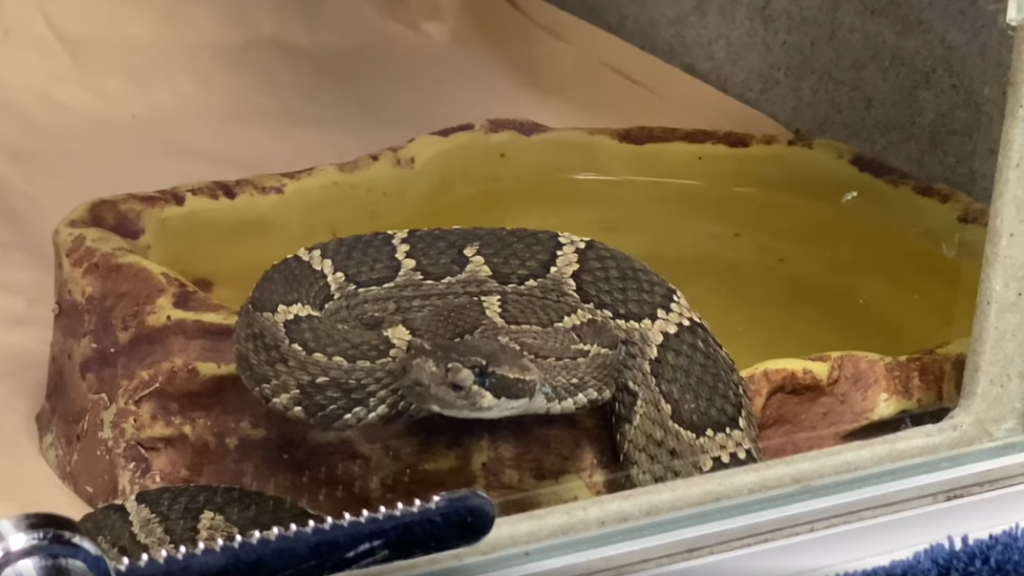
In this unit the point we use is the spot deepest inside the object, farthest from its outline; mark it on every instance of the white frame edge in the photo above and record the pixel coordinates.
(866, 544)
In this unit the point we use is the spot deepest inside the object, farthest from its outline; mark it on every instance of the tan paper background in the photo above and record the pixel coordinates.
(100, 97)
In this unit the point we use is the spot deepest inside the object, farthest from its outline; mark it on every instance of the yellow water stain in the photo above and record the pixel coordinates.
(786, 250)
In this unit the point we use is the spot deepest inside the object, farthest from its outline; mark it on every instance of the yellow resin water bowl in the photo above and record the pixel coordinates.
(842, 287)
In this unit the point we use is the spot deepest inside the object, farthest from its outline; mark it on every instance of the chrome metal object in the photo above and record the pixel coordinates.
(48, 544)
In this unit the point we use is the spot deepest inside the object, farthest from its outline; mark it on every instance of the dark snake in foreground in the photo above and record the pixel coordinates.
(488, 323)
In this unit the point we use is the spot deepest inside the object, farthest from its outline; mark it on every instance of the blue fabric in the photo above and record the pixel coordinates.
(1001, 554)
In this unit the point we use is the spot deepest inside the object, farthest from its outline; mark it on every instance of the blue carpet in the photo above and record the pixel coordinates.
(1001, 554)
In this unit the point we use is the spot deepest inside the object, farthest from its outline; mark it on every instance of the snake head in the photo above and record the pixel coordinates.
(481, 378)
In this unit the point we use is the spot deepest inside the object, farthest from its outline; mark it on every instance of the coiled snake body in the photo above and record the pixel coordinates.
(468, 323)
(493, 323)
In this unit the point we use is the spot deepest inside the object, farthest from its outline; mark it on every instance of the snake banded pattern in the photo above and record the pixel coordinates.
(494, 323)
(468, 323)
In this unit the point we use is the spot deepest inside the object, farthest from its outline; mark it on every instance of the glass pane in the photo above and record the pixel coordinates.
(291, 258)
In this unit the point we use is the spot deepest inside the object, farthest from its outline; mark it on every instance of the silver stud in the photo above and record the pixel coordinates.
(163, 553)
(328, 521)
(125, 561)
(220, 542)
(292, 527)
(182, 550)
(416, 502)
(382, 510)
(310, 524)
(144, 558)
(200, 547)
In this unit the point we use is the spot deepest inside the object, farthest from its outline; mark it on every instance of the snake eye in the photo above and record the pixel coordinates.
(482, 376)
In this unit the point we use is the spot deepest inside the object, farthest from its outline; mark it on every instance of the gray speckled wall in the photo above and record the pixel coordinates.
(919, 83)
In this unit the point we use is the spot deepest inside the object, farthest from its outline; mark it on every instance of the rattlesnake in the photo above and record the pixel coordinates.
(494, 323)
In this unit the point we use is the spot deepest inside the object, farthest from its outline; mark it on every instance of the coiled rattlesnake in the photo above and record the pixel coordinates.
(472, 323)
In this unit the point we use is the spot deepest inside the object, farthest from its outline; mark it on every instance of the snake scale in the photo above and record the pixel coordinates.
(484, 323)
